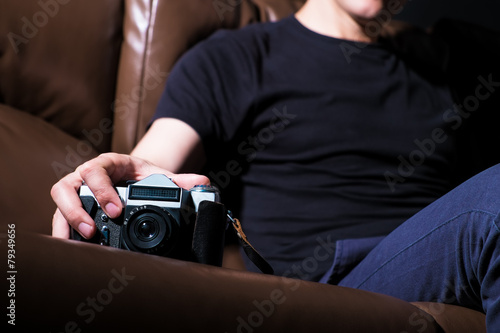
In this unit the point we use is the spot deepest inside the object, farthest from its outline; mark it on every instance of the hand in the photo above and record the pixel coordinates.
(100, 174)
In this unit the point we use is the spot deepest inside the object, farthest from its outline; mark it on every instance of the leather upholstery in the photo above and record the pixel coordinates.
(46, 67)
(74, 80)
(65, 286)
(155, 39)
(65, 65)
(114, 290)
(58, 67)
(34, 152)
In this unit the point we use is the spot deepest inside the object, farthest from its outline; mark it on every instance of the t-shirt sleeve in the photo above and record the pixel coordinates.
(210, 88)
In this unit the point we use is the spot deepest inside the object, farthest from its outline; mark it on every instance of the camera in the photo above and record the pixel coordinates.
(160, 218)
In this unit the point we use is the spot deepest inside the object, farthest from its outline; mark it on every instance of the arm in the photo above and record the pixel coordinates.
(170, 145)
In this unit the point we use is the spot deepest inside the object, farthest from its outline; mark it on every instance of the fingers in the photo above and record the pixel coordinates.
(97, 175)
(188, 180)
(100, 175)
(70, 210)
(60, 227)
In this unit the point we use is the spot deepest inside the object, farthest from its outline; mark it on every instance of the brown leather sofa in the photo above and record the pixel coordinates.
(78, 78)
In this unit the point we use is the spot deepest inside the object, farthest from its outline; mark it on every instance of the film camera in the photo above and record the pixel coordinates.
(162, 219)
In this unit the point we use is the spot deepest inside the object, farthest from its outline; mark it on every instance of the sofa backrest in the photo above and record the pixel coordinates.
(58, 61)
(80, 77)
(73, 62)
(156, 34)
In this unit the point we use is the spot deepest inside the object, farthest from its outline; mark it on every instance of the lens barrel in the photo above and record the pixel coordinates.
(149, 229)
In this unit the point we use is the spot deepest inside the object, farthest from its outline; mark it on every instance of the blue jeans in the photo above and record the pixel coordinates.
(449, 252)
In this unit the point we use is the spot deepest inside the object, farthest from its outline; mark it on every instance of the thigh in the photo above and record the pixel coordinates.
(448, 252)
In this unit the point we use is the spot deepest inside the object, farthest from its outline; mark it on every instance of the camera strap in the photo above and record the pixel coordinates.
(211, 223)
(250, 251)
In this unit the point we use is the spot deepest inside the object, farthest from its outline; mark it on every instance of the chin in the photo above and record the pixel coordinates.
(364, 9)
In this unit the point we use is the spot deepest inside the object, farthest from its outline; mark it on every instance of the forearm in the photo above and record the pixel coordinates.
(172, 145)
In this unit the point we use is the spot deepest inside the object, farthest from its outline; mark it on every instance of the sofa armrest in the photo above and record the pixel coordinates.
(72, 286)
(453, 318)
(34, 155)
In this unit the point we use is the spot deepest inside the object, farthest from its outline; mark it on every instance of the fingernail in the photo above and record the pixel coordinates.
(85, 230)
(112, 210)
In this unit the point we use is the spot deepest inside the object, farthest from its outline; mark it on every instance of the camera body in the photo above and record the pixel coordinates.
(158, 218)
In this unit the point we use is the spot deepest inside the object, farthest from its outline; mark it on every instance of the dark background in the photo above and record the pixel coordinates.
(425, 12)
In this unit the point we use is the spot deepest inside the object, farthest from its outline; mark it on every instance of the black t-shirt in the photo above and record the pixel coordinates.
(313, 138)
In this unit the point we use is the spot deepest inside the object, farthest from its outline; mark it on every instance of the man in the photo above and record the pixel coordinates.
(324, 141)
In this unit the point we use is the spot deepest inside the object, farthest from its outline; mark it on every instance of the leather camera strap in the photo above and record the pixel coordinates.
(250, 251)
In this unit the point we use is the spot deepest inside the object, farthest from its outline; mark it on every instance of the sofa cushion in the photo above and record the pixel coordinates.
(35, 155)
(59, 58)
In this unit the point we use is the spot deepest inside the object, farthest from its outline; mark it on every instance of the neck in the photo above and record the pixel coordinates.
(326, 18)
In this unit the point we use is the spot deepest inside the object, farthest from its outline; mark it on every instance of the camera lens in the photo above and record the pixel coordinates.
(149, 229)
